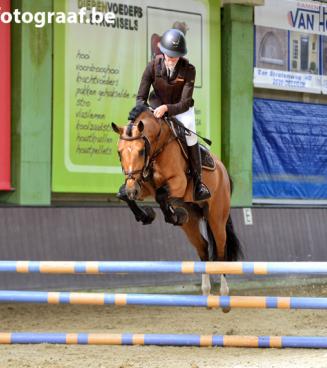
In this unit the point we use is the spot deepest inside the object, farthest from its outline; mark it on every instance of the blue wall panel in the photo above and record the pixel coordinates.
(289, 150)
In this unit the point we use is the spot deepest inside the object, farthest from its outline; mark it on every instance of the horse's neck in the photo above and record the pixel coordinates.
(155, 130)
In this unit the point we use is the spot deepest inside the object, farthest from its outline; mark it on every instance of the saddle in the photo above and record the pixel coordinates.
(207, 161)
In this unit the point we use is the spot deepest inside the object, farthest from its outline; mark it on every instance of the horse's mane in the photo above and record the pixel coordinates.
(133, 114)
(137, 110)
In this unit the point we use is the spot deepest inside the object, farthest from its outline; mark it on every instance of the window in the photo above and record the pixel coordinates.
(304, 53)
(271, 50)
(295, 49)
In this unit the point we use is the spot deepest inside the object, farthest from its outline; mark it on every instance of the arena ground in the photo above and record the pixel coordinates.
(67, 318)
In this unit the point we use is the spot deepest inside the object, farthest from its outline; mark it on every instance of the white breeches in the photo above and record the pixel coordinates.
(188, 119)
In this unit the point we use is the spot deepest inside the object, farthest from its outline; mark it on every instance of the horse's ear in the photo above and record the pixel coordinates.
(117, 129)
(140, 126)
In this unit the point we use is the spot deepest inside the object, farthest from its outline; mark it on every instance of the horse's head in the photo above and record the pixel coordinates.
(133, 151)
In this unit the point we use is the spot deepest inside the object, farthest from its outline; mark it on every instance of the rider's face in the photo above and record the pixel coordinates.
(171, 60)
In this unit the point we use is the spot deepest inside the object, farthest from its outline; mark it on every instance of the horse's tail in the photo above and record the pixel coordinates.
(233, 244)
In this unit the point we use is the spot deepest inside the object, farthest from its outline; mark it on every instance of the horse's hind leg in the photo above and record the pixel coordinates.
(217, 223)
(192, 231)
(210, 248)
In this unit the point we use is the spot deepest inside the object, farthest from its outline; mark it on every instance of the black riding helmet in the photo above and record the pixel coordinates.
(173, 43)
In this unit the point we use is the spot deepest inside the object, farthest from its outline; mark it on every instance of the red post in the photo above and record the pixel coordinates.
(5, 100)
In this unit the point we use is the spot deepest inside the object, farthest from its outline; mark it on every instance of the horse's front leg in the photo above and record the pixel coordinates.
(144, 214)
(171, 203)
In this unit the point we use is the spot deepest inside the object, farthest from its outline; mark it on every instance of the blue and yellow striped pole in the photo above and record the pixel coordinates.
(236, 268)
(164, 340)
(211, 301)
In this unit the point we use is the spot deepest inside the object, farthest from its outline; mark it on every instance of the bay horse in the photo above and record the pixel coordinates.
(154, 166)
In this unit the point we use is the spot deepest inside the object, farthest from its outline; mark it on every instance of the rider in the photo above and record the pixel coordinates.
(172, 78)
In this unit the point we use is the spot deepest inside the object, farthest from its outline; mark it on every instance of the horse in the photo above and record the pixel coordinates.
(155, 166)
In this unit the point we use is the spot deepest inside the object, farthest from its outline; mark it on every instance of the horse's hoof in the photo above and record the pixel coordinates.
(122, 194)
(182, 216)
(150, 215)
(226, 310)
(178, 217)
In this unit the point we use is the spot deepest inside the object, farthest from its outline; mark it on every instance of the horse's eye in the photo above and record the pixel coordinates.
(142, 152)
(119, 154)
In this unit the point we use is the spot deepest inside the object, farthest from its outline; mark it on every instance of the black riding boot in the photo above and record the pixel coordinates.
(201, 192)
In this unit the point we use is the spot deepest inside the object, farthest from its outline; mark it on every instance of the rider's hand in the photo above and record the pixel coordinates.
(159, 111)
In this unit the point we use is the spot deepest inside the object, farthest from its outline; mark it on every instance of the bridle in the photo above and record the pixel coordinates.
(148, 158)
(147, 147)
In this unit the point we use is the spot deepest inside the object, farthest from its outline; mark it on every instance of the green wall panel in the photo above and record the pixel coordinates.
(31, 108)
(237, 99)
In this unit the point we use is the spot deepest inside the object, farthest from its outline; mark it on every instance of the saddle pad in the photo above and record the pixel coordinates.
(207, 160)
(208, 163)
